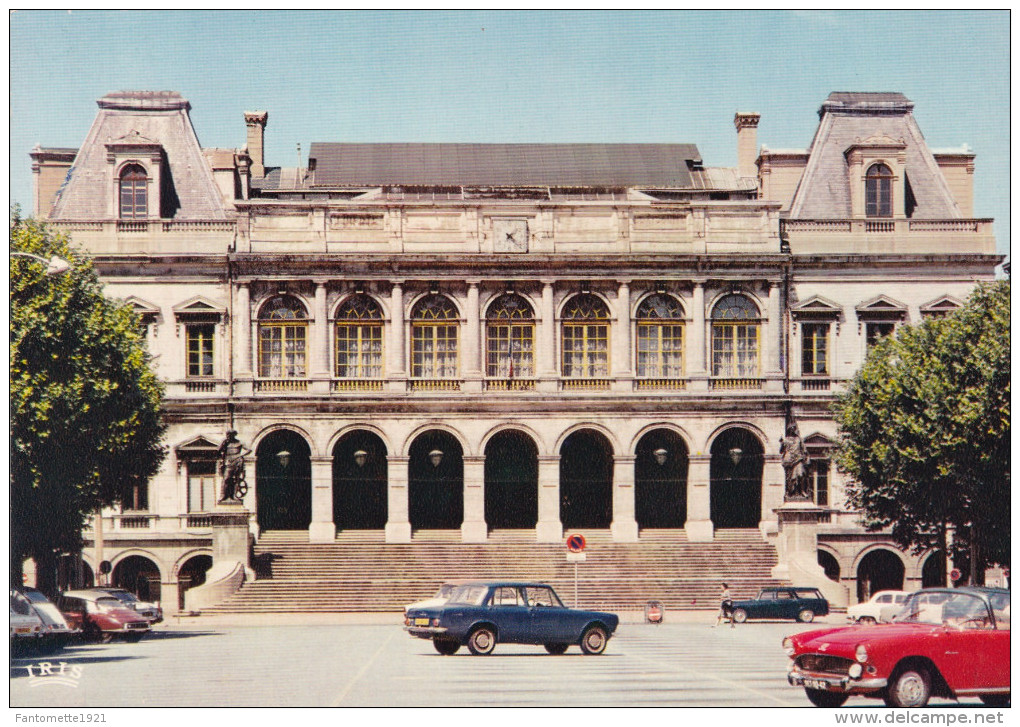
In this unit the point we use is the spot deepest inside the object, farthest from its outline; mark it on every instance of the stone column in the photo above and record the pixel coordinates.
(549, 528)
(242, 332)
(696, 369)
(395, 364)
(773, 490)
(699, 504)
(398, 527)
(322, 529)
(474, 529)
(547, 333)
(621, 338)
(320, 335)
(773, 334)
(472, 339)
(624, 527)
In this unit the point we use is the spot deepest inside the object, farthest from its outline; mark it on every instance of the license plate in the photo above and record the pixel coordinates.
(22, 629)
(421, 622)
(816, 684)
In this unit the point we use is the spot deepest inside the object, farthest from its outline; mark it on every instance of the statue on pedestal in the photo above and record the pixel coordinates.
(232, 453)
(795, 458)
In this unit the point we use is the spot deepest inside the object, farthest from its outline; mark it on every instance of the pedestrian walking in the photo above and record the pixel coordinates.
(725, 607)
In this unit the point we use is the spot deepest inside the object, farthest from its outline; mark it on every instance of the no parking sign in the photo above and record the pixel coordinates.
(576, 543)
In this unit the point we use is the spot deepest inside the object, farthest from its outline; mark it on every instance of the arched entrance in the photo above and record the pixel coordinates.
(735, 472)
(359, 482)
(511, 481)
(829, 564)
(660, 480)
(933, 572)
(139, 575)
(435, 487)
(283, 475)
(191, 574)
(879, 570)
(586, 480)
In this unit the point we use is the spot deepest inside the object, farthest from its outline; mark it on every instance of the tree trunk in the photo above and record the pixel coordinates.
(944, 547)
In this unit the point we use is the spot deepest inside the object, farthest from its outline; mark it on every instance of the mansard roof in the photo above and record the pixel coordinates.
(853, 118)
(149, 117)
(502, 165)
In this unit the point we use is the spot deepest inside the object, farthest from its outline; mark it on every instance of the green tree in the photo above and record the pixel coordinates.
(924, 433)
(85, 405)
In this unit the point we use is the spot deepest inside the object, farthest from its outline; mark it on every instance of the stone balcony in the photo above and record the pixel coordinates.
(124, 237)
(889, 236)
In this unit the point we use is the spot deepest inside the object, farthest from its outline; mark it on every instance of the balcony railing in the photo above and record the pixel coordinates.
(819, 384)
(281, 386)
(585, 384)
(890, 235)
(434, 385)
(343, 386)
(737, 384)
(200, 387)
(509, 384)
(659, 384)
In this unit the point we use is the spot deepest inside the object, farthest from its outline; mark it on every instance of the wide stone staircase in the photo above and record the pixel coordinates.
(360, 572)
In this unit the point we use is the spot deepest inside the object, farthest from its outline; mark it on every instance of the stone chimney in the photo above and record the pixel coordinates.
(747, 143)
(256, 123)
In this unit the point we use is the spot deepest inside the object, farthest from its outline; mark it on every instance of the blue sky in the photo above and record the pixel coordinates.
(572, 76)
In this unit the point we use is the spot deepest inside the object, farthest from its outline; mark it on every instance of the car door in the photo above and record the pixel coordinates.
(977, 650)
(73, 610)
(550, 621)
(786, 605)
(510, 614)
(764, 606)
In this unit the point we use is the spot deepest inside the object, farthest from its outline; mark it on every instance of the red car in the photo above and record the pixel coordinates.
(101, 617)
(946, 642)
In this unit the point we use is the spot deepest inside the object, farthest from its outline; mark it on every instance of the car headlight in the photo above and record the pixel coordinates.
(855, 671)
(788, 646)
(435, 622)
(861, 653)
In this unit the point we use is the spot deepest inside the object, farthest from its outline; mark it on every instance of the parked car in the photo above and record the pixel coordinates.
(484, 613)
(946, 642)
(441, 597)
(56, 633)
(26, 625)
(802, 604)
(101, 617)
(880, 608)
(151, 611)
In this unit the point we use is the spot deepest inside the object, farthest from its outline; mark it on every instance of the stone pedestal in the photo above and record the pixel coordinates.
(230, 538)
(797, 544)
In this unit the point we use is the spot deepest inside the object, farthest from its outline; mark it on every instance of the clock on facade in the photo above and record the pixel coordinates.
(510, 235)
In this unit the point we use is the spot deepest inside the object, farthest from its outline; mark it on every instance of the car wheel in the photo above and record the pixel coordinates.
(482, 641)
(822, 698)
(739, 615)
(594, 640)
(446, 647)
(556, 649)
(909, 688)
(995, 700)
(806, 616)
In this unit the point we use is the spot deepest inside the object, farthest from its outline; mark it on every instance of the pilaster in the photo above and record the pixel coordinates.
(322, 528)
(624, 527)
(549, 528)
(699, 513)
(398, 526)
(474, 529)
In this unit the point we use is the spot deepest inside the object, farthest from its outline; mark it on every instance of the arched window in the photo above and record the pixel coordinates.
(510, 338)
(660, 338)
(133, 193)
(878, 191)
(283, 333)
(735, 337)
(434, 330)
(586, 337)
(359, 339)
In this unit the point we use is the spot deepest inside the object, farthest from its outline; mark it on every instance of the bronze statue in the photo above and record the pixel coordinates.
(232, 453)
(795, 458)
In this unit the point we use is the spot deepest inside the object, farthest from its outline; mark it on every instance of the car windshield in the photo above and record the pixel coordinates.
(469, 594)
(964, 610)
(123, 596)
(445, 590)
(19, 604)
(36, 597)
(107, 602)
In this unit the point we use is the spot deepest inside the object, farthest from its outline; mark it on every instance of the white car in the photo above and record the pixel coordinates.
(26, 625)
(880, 608)
(56, 634)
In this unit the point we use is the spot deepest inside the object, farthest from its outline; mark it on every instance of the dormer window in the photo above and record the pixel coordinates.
(878, 191)
(133, 193)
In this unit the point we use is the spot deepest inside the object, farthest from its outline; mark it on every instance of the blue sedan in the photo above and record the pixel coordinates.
(484, 613)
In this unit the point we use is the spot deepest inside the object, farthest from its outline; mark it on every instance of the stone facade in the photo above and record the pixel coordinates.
(570, 336)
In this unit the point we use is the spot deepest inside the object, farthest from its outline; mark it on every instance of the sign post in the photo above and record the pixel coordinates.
(575, 555)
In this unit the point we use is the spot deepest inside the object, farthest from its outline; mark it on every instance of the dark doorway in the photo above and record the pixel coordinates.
(736, 469)
(192, 574)
(933, 572)
(435, 488)
(359, 482)
(511, 481)
(660, 480)
(829, 564)
(879, 570)
(139, 575)
(283, 474)
(586, 481)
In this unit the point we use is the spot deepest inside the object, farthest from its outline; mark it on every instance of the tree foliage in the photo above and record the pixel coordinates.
(85, 405)
(924, 431)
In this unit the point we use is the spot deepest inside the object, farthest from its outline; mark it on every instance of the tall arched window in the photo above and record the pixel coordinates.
(434, 330)
(586, 337)
(735, 337)
(660, 338)
(510, 338)
(283, 333)
(133, 193)
(878, 191)
(359, 339)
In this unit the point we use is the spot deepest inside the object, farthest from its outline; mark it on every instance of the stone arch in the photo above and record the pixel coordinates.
(757, 431)
(606, 301)
(377, 431)
(360, 474)
(661, 460)
(452, 431)
(190, 571)
(283, 485)
(603, 430)
(515, 426)
(454, 300)
(753, 297)
(270, 429)
(735, 477)
(677, 429)
(828, 559)
(879, 567)
(511, 479)
(586, 478)
(348, 295)
(496, 295)
(435, 479)
(933, 570)
(139, 572)
(175, 569)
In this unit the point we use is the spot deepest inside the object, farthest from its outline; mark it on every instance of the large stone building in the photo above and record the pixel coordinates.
(534, 337)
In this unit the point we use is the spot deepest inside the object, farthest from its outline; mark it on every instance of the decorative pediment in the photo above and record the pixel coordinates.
(818, 441)
(198, 307)
(941, 306)
(133, 137)
(195, 446)
(148, 312)
(816, 307)
(882, 307)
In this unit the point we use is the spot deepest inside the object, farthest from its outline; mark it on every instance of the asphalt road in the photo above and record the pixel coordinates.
(379, 665)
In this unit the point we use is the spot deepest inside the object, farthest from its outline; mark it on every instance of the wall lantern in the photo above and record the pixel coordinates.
(283, 456)
(360, 457)
(736, 453)
(660, 456)
(435, 457)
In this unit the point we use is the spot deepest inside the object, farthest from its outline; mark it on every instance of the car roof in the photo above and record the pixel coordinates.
(88, 594)
(977, 590)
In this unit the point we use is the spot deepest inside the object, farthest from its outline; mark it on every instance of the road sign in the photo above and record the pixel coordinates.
(576, 557)
(575, 543)
(105, 567)
(954, 574)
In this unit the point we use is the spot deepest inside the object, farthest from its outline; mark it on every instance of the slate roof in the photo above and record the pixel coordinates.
(582, 165)
(156, 116)
(847, 119)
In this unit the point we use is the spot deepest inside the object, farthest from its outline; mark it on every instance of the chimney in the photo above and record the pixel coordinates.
(256, 123)
(747, 143)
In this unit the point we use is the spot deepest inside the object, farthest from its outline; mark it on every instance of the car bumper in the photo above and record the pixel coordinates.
(129, 629)
(425, 632)
(834, 683)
